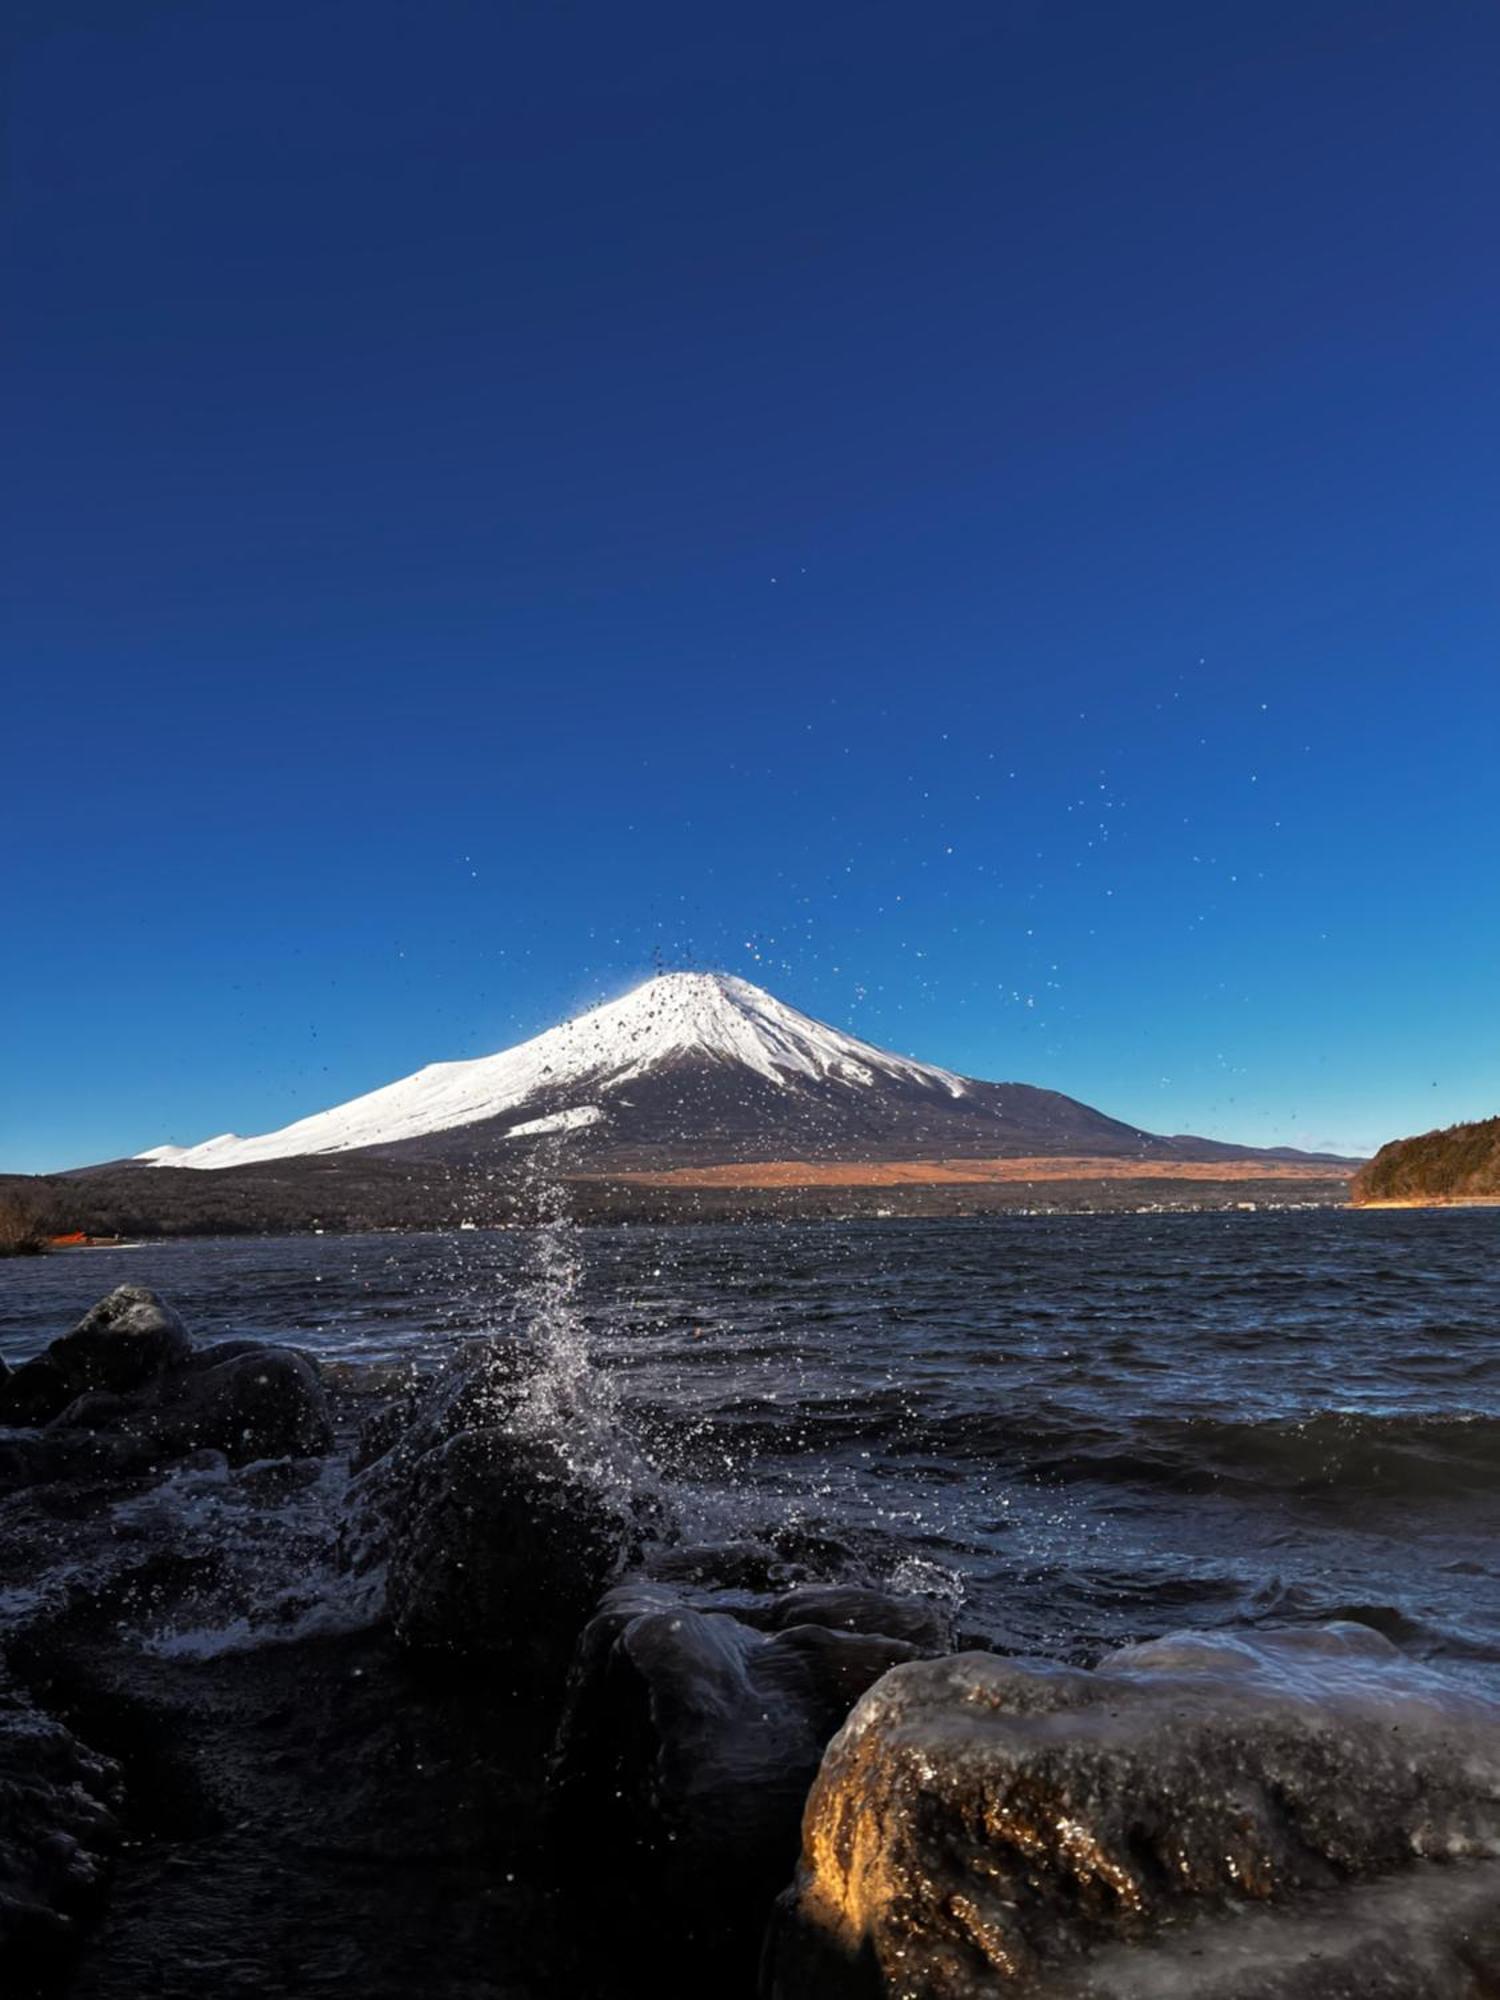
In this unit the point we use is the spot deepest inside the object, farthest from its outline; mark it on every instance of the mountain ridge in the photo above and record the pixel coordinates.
(693, 1069)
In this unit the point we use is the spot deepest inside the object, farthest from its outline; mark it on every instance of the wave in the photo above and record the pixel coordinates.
(1331, 1453)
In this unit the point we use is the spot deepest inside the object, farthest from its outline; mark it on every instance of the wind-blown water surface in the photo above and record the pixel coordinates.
(1096, 1428)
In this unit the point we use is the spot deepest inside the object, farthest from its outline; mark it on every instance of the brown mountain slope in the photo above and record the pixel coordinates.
(1459, 1163)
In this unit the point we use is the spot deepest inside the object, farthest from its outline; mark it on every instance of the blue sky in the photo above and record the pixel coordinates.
(981, 518)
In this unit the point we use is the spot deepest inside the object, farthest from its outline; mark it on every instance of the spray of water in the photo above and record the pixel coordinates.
(565, 1396)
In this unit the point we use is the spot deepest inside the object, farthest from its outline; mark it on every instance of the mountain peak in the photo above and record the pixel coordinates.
(716, 1014)
(565, 1079)
(700, 1067)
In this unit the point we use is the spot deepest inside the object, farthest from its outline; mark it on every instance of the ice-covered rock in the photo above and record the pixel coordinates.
(690, 1739)
(1210, 1817)
(924, 1622)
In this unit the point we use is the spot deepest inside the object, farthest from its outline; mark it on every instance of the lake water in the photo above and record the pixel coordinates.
(1094, 1428)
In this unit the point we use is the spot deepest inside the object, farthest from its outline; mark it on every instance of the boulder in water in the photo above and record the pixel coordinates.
(495, 1542)
(687, 1747)
(498, 1546)
(254, 1402)
(124, 1342)
(126, 1389)
(1212, 1817)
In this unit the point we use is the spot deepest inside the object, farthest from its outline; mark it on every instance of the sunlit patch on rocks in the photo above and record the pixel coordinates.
(981, 1825)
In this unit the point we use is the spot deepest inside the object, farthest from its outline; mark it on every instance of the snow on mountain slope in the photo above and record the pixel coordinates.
(678, 1016)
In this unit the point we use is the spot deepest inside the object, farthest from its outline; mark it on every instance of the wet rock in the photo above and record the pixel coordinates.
(124, 1342)
(1211, 1817)
(480, 1391)
(227, 1350)
(750, 1567)
(498, 1546)
(126, 1390)
(687, 1747)
(262, 1402)
(34, 1392)
(495, 1542)
(925, 1623)
(58, 1829)
(259, 1402)
(34, 1458)
(383, 1430)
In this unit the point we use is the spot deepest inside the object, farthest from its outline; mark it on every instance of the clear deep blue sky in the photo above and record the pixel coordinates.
(981, 518)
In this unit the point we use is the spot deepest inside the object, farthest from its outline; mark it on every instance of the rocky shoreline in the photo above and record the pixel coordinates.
(325, 1683)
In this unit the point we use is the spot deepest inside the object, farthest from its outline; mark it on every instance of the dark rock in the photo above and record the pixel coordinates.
(264, 1402)
(687, 1748)
(34, 1392)
(33, 1458)
(477, 1391)
(226, 1350)
(261, 1402)
(126, 1340)
(921, 1621)
(58, 1802)
(125, 1390)
(382, 1431)
(498, 1546)
(741, 1566)
(495, 1542)
(790, 1556)
(481, 1391)
(1215, 1816)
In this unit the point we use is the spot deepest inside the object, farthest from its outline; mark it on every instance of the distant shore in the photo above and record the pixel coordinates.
(1024, 1171)
(352, 1197)
(1433, 1201)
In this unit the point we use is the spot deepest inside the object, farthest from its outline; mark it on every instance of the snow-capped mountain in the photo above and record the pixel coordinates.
(691, 1067)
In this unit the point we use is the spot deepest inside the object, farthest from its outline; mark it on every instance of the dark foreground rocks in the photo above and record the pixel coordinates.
(1298, 1817)
(59, 1828)
(220, 1771)
(481, 1724)
(689, 1742)
(126, 1391)
(699, 1695)
(123, 1343)
(87, 1429)
(496, 1543)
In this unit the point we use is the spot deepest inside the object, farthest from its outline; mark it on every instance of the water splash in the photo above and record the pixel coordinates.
(566, 1396)
(265, 1537)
